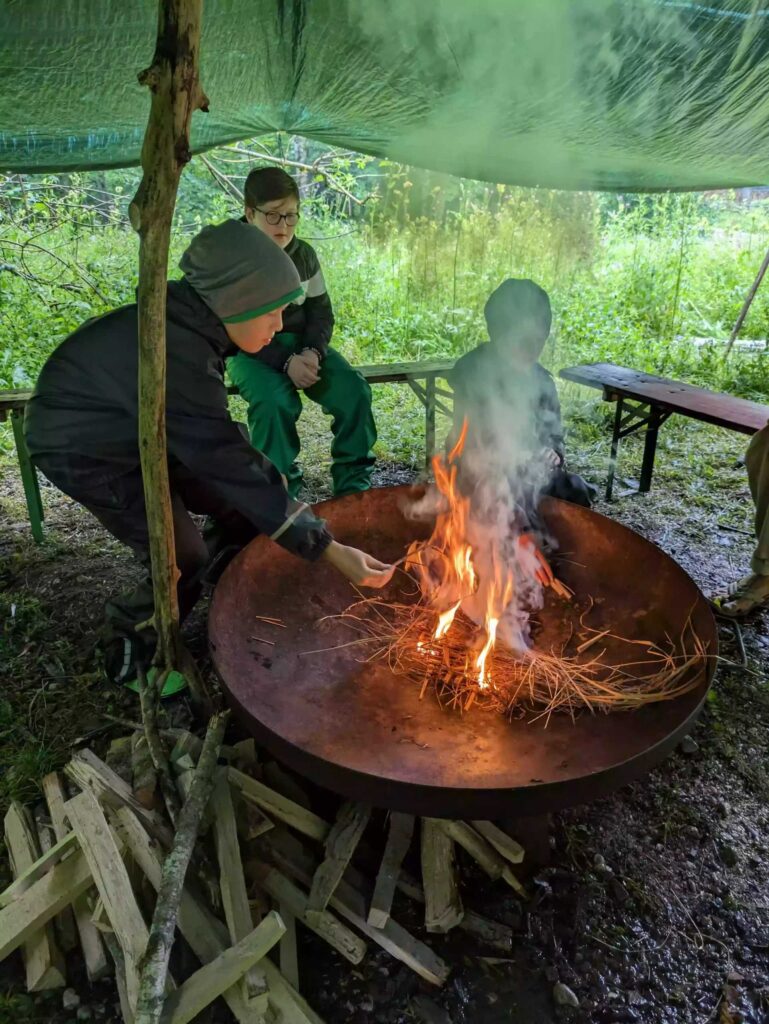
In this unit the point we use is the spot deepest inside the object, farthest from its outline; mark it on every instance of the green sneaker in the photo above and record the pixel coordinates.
(122, 656)
(175, 683)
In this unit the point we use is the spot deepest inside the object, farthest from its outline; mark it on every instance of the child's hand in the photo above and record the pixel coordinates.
(303, 369)
(359, 567)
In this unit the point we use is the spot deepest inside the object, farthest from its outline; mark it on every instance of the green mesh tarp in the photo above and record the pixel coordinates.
(640, 94)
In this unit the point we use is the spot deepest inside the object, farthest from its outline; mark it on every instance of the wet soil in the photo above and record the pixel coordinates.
(650, 906)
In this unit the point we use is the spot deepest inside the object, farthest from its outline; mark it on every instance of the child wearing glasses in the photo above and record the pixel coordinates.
(300, 358)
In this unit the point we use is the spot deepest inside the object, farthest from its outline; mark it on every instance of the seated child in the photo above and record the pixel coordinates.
(511, 405)
(300, 357)
(81, 427)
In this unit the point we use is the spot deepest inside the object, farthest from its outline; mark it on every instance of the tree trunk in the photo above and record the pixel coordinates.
(173, 81)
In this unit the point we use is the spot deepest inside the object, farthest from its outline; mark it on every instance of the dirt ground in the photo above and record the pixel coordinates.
(654, 906)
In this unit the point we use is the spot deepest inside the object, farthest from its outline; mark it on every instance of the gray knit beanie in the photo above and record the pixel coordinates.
(239, 272)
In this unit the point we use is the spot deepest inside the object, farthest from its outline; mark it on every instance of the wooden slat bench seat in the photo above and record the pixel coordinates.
(644, 400)
(422, 377)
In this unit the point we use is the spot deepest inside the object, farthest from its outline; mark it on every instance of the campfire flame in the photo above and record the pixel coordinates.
(446, 569)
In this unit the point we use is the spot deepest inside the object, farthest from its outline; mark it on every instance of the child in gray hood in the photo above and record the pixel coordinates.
(81, 427)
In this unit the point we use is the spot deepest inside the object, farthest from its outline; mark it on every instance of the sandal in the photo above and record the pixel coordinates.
(743, 597)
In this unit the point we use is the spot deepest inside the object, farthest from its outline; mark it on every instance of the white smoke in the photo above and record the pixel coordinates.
(502, 469)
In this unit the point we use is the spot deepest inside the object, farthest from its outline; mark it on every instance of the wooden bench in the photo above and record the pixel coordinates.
(644, 400)
(421, 377)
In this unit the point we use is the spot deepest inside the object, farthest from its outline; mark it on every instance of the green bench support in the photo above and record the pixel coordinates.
(12, 405)
(422, 377)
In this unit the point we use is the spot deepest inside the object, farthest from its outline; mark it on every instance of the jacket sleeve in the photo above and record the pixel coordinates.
(550, 426)
(204, 437)
(318, 313)
(274, 355)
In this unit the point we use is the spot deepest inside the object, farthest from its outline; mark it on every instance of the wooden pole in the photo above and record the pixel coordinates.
(747, 303)
(172, 78)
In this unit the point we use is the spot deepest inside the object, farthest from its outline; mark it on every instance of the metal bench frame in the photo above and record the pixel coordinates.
(638, 410)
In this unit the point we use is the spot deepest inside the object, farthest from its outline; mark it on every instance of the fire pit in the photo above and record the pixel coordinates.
(361, 730)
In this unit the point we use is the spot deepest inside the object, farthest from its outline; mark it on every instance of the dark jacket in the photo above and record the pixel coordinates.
(312, 317)
(483, 386)
(85, 411)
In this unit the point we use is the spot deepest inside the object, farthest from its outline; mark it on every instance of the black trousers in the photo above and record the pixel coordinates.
(118, 504)
(569, 487)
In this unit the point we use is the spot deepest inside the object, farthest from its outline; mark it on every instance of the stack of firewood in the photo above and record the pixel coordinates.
(261, 861)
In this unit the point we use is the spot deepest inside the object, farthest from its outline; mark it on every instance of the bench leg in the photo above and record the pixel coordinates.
(650, 450)
(614, 446)
(429, 420)
(28, 476)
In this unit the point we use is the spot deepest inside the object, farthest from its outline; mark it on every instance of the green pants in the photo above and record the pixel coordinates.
(274, 406)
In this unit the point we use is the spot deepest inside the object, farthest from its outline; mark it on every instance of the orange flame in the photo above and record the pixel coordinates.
(446, 570)
(444, 621)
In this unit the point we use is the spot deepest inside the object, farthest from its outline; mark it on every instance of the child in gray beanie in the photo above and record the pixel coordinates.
(82, 426)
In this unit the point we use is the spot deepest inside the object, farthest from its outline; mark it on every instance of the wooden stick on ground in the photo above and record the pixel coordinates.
(340, 846)
(64, 924)
(150, 698)
(91, 773)
(42, 901)
(501, 841)
(45, 863)
(292, 858)
(186, 742)
(324, 924)
(112, 944)
(191, 923)
(285, 783)
(491, 932)
(237, 912)
(214, 978)
(111, 877)
(251, 822)
(443, 904)
(155, 961)
(398, 841)
(144, 774)
(99, 918)
(289, 959)
(482, 853)
(280, 807)
(43, 961)
(207, 936)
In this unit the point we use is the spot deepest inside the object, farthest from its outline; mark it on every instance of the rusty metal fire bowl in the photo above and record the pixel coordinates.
(362, 731)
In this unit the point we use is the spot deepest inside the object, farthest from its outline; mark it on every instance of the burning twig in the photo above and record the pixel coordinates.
(532, 681)
(561, 589)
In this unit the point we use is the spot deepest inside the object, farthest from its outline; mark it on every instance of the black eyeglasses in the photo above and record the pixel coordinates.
(273, 217)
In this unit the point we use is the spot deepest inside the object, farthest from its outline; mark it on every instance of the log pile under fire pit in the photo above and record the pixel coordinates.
(264, 864)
